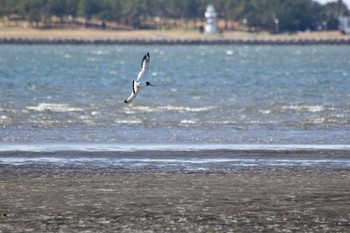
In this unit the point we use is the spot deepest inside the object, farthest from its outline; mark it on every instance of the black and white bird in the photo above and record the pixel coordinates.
(137, 85)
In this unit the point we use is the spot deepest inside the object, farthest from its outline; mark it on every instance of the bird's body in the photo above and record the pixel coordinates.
(137, 85)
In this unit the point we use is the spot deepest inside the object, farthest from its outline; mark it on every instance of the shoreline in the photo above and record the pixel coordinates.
(151, 37)
(54, 197)
(28, 41)
(98, 162)
(176, 147)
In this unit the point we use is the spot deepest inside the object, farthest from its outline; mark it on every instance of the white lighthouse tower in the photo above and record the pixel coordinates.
(210, 16)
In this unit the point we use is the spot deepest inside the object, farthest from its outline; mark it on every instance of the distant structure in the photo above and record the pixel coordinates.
(210, 16)
(344, 24)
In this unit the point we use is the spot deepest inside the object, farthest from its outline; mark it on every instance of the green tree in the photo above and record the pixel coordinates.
(293, 15)
(33, 10)
(331, 12)
(87, 9)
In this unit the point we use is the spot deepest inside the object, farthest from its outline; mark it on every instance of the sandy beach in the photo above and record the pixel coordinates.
(93, 36)
(241, 201)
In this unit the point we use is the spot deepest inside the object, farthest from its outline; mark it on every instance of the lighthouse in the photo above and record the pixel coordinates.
(210, 16)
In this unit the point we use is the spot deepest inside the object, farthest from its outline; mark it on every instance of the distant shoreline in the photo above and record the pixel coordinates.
(154, 37)
(172, 42)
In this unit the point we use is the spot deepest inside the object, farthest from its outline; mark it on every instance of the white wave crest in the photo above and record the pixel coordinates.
(172, 108)
(54, 107)
(308, 108)
(128, 122)
(189, 121)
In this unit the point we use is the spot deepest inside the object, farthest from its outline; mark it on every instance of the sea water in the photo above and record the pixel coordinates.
(203, 95)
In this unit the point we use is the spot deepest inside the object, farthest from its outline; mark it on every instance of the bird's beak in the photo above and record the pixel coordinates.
(151, 85)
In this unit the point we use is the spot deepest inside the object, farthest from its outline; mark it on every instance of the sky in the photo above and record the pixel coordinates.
(347, 2)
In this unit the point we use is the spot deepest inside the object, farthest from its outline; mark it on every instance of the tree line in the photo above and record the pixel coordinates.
(290, 15)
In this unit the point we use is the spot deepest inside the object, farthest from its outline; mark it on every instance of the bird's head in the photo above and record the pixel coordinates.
(149, 84)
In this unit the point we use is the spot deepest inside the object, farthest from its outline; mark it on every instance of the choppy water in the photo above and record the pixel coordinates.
(203, 94)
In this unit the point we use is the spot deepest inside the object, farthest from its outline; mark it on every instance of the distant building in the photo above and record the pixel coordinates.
(344, 24)
(210, 15)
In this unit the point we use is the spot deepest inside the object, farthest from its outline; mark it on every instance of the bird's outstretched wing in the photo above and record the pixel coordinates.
(133, 94)
(144, 66)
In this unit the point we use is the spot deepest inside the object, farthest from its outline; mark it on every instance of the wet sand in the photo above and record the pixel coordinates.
(150, 201)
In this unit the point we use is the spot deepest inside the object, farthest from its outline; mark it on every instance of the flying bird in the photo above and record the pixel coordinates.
(137, 85)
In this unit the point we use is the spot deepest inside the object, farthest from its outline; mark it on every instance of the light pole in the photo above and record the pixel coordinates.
(245, 22)
(276, 21)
